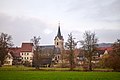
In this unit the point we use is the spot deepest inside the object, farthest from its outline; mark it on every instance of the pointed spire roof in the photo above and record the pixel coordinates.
(59, 33)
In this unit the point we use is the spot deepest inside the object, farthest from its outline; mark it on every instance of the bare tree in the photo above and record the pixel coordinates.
(89, 45)
(70, 45)
(5, 43)
(36, 57)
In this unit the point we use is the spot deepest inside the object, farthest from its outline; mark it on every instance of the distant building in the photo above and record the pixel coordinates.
(21, 54)
(53, 52)
(59, 41)
(15, 52)
(104, 50)
(8, 59)
(26, 52)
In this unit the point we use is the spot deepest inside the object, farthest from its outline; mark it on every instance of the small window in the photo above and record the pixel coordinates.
(57, 43)
(27, 53)
(27, 58)
(58, 57)
(22, 53)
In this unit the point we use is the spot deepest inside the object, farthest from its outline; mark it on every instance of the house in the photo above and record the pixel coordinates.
(8, 59)
(15, 52)
(19, 55)
(26, 52)
(104, 50)
(13, 56)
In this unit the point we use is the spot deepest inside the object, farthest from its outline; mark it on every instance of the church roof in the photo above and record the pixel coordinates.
(50, 48)
(59, 33)
(47, 46)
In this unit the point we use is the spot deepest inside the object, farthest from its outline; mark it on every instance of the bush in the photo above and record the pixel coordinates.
(113, 61)
(27, 63)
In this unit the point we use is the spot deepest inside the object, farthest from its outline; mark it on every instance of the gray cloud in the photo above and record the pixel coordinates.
(100, 10)
(108, 35)
(23, 29)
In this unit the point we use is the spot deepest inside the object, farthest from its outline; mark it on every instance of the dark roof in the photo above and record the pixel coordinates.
(59, 33)
(27, 47)
(50, 49)
(47, 46)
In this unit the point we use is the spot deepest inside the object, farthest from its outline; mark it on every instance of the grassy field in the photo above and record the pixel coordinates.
(23, 68)
(29, 73)
(58, 75)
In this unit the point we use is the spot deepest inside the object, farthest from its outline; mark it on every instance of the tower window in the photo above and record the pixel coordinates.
(57, 43)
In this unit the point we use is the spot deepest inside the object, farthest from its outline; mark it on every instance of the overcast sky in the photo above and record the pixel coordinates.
(24, 19)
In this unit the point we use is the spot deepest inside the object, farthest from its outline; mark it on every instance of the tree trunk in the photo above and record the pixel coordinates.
(90, 64)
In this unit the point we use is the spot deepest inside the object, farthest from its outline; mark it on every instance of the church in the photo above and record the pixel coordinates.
(53, 52)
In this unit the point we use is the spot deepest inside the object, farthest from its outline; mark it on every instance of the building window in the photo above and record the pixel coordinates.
(58, 57)
(27, 53)
(22, 57)
(22, 53)
(57, 43)
(27, 58)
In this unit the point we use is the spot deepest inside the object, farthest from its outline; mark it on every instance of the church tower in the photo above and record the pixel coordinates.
(59, 41)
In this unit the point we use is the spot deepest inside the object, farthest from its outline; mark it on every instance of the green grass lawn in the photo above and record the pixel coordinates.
(29, 73)
(23, 68)
(58, 75)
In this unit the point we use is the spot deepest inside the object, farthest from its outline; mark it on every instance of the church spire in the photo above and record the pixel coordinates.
(59, 32)
(59, 41)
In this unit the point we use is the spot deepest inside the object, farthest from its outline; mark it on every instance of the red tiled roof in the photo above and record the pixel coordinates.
(27, 47)
(106, 48)
(15, 51)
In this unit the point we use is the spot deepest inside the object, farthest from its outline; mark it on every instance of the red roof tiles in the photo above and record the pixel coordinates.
(106, 48)
(15, 51)
(27, 47)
